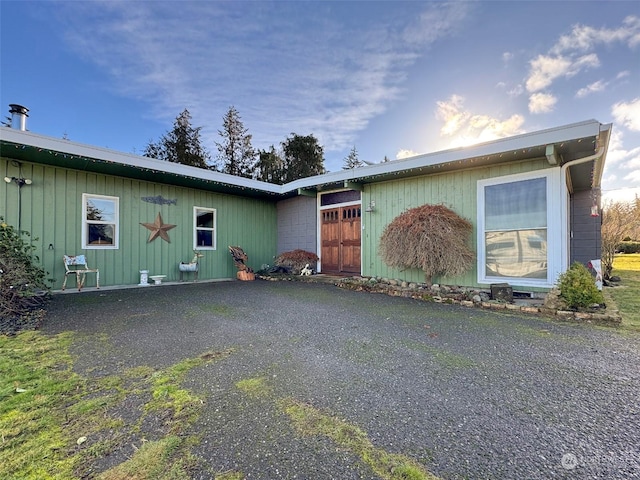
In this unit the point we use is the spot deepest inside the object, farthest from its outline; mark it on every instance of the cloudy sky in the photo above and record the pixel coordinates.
(392, 79)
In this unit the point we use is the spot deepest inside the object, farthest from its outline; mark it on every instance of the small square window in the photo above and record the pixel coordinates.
(204, 225)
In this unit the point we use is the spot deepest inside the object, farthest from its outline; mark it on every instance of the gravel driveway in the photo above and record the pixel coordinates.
(466, 392)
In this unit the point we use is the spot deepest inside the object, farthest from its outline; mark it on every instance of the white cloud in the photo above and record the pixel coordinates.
(633, 177)
(438, 20)
(584, 38)
(564, 59)
(620, 162)
(467, 128)
(620, 195)
(586, 61)
(544, 70)
(594, 87)
(628, 114)
(450, 111)
(405, 153)
(516, 91)
(331, 88)
(616, 152)
(542, 102)
(623, 74)
(507, 56)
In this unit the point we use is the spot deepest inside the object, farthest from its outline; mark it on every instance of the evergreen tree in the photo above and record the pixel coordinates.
(352, 160)
(269, 167)
(236, 155)
(180, 145)
(303, 157)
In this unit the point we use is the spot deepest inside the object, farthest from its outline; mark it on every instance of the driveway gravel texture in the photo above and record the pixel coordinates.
(468, 393)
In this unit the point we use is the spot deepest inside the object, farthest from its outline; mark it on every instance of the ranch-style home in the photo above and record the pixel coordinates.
(533, 200)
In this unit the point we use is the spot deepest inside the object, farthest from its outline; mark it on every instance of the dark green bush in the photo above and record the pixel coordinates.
(629, 247)
(23, 288)
(578, 288)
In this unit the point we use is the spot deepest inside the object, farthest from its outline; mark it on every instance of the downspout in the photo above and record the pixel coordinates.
(565, 199)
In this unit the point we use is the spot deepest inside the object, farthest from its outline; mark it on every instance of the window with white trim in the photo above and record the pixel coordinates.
(204, 228)
(517, 237)
(100, 219)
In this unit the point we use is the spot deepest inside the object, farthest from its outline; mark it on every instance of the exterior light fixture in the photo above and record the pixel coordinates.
(371, 207)
(21, 182)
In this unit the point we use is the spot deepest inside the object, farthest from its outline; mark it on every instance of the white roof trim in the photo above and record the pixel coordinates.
(534, 139)
(98, 153)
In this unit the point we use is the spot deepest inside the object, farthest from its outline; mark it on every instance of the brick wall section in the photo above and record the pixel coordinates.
(297, 224)
(586, 240)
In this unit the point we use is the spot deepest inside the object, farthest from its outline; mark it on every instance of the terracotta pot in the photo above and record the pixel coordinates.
(245, 276)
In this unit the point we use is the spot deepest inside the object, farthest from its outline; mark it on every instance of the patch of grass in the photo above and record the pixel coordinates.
(229, 476)
(37, 383)
(254, 387)
(310, 421)
(161, 460)
(45, 408)
(167, 393)
(444, 358)
(626, 297)
(389, 466)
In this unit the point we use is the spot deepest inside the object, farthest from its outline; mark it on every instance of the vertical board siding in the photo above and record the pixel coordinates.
(52, 213)
(455, 190)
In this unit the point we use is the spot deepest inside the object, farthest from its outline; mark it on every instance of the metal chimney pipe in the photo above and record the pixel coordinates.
(18, 116)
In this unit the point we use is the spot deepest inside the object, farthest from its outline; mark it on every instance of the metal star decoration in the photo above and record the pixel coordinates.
(158, 229)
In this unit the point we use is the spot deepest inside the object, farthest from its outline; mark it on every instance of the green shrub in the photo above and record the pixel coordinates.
(629, 247)
(23, 288)
(578, 288)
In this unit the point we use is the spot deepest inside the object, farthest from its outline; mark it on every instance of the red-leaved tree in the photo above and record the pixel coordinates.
(432, 238)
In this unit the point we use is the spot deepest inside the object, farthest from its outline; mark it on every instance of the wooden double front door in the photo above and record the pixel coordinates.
(340, 239)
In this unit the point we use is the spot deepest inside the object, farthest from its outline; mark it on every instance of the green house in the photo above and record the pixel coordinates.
(533, 200)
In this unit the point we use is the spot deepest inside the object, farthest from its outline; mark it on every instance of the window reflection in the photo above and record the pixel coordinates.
(204, 219)
(517, 253)
(100, 234)
(101, 209)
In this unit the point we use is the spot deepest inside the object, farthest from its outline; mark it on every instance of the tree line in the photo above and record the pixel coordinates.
(299, 156)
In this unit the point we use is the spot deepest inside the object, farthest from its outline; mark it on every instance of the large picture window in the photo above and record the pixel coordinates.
(100, 217)
(514, 241)
(204, 234)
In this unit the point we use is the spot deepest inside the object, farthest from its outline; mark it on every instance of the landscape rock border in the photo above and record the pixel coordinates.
(464, 296)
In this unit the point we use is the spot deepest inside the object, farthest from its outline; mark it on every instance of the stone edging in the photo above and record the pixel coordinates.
(467, 297)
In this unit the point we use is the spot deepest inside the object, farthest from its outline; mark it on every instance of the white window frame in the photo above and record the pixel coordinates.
(85, 223)
(555, 241)
(196, 228)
